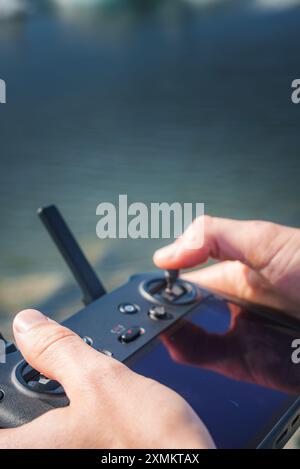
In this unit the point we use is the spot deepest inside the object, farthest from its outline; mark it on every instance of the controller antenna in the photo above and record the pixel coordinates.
(83, 272)
(171, 277)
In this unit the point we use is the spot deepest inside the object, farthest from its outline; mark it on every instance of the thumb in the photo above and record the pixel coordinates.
(54, 350)
(236, 280)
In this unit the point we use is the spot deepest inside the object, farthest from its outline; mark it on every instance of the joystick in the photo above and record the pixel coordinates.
(171, 276)
(170, 289)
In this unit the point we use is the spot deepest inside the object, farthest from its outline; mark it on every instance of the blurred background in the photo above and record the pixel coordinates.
(163, 100)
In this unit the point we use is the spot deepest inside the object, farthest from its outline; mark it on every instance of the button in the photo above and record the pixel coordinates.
(87, 340)
(128, 308)
(131, 334)
(159, 312)
(1, 395)
(106, 352)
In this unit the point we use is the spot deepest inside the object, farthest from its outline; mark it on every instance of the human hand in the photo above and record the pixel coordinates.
(110, 405)
(260, 261)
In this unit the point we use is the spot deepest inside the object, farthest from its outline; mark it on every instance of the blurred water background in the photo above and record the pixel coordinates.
(183, 101)
(163, 100)
(174, 100)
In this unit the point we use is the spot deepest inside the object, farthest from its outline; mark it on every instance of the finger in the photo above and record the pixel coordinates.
(54, 350)
(229, 278)
(253, 243)
(236, 280)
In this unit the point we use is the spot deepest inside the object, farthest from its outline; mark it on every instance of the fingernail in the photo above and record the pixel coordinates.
(27, 319)
(167, 252)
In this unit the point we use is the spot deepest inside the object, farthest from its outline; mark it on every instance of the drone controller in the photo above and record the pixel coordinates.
(119, 324)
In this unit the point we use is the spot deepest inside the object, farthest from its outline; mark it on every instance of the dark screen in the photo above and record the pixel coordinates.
(232, 366)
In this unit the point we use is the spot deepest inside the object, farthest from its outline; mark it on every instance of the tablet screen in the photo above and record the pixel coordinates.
(236, 369)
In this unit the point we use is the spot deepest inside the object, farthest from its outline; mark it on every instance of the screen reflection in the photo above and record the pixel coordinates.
(233, 366)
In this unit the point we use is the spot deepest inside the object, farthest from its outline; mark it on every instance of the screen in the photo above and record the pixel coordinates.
(232, 366)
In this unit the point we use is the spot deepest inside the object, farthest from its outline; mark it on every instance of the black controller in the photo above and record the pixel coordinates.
(118, 324)
(125, 323)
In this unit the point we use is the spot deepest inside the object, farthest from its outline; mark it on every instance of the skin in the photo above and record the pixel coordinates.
(260, 262)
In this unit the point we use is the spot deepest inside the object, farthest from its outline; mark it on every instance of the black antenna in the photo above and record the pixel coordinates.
(83, 272)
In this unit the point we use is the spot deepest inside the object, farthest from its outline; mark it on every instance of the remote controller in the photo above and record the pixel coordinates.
(121, 324)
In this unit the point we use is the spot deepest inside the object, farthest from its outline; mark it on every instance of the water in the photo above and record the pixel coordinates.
(164, 102)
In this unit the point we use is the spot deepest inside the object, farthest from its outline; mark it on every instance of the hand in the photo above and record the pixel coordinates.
(110, 406)
(261, 261)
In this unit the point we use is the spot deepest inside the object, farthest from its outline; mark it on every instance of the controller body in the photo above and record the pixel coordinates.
(120, 324)
(126, 324)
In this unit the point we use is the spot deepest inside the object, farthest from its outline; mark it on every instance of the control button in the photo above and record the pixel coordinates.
(159, 312)
(1, 395)
(131, 334)
(128, 308)
(87, 340)
(106, 352)
(171, 276)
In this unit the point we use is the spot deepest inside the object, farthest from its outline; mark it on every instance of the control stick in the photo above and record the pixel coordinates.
(171, 277)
